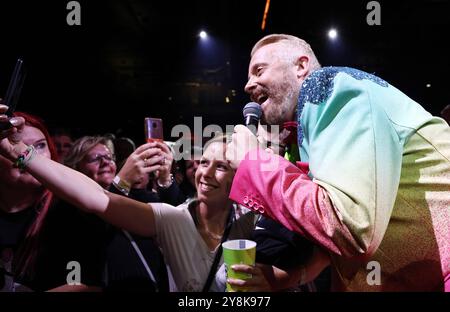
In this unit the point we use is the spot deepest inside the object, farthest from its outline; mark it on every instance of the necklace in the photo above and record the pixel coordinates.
(203, 229)
(212, 235)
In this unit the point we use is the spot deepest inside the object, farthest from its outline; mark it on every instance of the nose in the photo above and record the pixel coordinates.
(251, 84)
(208, 172)
(105, 160)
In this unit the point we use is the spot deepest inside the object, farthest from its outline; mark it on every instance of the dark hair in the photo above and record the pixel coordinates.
(61, 132)
(185, 186)
(27, 252)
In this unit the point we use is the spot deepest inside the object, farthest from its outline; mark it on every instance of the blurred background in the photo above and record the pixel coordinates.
(135, 58)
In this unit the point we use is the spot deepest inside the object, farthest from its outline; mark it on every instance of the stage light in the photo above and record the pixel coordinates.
(428, 85)
(203, 35)
(332, 34)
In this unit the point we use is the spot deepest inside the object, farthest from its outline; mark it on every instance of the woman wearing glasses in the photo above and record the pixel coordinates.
(93, 156)
(133, 263)
(128, 268)
(190, 235)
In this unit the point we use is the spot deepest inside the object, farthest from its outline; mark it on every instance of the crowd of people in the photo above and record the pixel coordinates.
(361, 176)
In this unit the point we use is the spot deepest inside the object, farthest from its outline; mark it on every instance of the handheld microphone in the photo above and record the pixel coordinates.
(252, 113)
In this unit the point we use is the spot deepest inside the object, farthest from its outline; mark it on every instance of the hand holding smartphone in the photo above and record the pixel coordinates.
(153, 132)
(13, 92)
(153, 128)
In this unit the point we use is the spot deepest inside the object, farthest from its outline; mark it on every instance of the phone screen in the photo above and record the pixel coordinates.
(153, 129)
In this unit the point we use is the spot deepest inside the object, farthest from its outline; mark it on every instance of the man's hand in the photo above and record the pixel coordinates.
(243, 141)
(11, 140)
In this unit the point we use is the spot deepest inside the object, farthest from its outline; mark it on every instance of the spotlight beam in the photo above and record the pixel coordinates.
(266, 11)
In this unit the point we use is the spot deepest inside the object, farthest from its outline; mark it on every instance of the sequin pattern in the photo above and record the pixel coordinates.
(318, 87)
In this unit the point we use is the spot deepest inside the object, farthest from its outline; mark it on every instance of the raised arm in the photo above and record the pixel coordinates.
(84, 193)
(74, 187)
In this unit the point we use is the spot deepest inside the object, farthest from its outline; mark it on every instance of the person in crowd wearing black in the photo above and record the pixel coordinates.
(41, 247)
(200, 226)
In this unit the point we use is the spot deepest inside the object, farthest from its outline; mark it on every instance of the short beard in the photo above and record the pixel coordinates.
(285, 111)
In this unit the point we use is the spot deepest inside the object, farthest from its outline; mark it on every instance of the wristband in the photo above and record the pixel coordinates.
(168, 184)
(122, 185)
(24, 158)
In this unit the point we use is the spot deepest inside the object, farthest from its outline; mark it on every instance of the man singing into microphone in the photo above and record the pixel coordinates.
(376, 196)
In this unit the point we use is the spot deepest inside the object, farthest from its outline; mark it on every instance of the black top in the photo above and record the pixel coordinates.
(124, 268)
(173, 195)
(142, 195)
(13, 228)
(276, 245)
(67, 235)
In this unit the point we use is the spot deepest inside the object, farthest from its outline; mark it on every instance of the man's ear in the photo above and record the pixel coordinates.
(302, 67)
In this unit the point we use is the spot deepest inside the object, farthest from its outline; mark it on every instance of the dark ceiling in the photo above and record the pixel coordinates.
(135, 58)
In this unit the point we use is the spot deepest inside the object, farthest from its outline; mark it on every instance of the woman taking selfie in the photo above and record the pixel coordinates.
(39, 234)
(190, 235)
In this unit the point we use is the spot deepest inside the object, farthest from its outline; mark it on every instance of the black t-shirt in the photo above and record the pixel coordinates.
(142, 195)
(70, 239)
(13, 228)
(124, 268)
(276, 245)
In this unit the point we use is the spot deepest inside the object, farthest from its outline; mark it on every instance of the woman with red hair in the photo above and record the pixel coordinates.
(32, 228)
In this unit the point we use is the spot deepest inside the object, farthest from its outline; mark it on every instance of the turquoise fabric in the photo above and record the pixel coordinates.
(353, 140)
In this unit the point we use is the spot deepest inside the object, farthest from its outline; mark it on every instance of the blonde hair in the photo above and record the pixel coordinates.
(81, 148)
(219, 137)
(294, 45)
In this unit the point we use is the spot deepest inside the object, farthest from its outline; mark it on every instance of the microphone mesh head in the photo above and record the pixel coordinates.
(252, 109)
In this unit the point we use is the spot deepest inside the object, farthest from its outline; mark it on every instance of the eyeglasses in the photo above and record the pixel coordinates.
(98, 157)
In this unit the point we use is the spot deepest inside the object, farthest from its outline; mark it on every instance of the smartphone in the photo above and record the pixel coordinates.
(153, 128)
(13, 92)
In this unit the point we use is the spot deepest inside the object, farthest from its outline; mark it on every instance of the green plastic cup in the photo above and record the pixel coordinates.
(238, 251)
